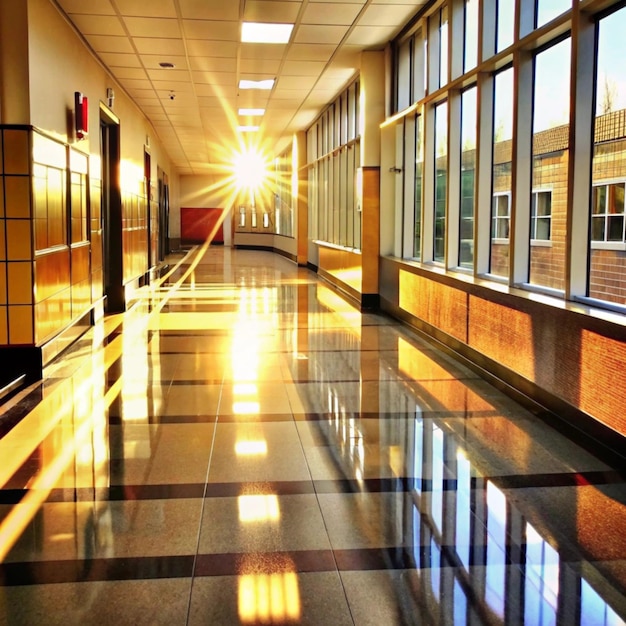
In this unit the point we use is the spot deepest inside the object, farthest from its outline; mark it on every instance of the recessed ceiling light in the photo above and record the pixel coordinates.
(247, 129)
(260, 32)
(256, 84)
(251, 111)
(167, 65)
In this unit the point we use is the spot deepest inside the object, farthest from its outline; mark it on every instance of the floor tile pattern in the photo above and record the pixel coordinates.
(244, 446)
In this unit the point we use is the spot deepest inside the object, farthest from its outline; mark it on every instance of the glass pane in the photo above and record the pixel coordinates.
(419, 165)
(549, 9)
(443, 47)
(506, 24)
(550, 163)
(468, 169)
(501, 176)
(607, 268)
(441, 176)
(615, 228)
(470, 51)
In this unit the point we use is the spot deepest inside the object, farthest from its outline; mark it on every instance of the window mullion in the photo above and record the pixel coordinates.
(522, 169)
(581, 153)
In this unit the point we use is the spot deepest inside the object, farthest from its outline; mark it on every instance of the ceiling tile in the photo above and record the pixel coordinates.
(199, 48)
(213, 64)
(151, 61)
(315, 33)
(268, 11)
(169, 75)
(262, 51)
(387, 14)
(209, 9)
(302, 83)
(129, 72)
(259, 66)
(214, 78)
(103, 43)
(217, 31)
(304, 68)
(217, 90)
(98, 25)
(288, 94)
(141, 8)
(114, 59)
(375, 36)
(178, 87)
(153, 27)
(310, 52)
(281, 104)
(323, 13)
(163, 47)
(93, 7)
(133, 83)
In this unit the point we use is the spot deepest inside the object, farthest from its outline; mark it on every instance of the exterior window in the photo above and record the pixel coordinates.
(607, 254)
(607, 213)
(501, 216)
(470, 48)
(419, 167)
(441, 179)
(468, 168)
(551, 112)
(541, 216)
(547, 10)
(443, 47)
(501, 173)
(506, 24)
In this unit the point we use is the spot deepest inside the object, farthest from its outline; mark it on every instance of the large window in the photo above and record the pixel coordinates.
(498, 192)
(468, 177)
(501, 172)
(550, 162)
(607, 275)
(441, 179)
(333, 161)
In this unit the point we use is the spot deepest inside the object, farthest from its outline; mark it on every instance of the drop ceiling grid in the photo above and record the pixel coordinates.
(201, 38)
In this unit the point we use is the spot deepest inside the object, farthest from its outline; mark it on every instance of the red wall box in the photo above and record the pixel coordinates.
(197, 224)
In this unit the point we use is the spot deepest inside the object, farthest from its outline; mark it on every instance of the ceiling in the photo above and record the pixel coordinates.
(193, 106)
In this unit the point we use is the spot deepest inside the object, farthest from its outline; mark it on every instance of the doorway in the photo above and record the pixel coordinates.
(111, 211)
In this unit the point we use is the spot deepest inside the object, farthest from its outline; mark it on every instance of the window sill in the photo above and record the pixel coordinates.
(608, 245)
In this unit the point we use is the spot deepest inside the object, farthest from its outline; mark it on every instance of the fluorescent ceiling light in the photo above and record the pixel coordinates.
(247, 129)
(256, 84)
(251, 111)
(260, 32)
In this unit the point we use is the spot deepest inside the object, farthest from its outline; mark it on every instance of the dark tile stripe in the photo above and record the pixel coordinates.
(234, 564)
(286, 488)
(73, 571)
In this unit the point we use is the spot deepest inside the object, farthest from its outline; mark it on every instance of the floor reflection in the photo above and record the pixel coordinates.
(286, 458)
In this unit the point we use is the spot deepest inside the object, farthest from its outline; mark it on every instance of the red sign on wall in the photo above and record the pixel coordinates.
(196, 225)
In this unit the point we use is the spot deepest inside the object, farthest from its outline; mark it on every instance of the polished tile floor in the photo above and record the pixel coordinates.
(244, 446)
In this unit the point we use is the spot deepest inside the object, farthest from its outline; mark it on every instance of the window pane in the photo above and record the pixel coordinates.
(550, 164)
(501, 176)
(468, 168)
(419, 166)
(404, 75)
(505, 24)
(470, 52)
(549, 9)
(443, 47)
(441, 176)
(607, 273)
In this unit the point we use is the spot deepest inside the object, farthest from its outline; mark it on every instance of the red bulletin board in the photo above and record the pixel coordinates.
(196, 225)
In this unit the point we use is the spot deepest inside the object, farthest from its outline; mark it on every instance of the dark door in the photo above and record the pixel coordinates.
(111, 212)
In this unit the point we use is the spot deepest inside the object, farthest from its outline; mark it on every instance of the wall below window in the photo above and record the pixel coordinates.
(562, 358)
